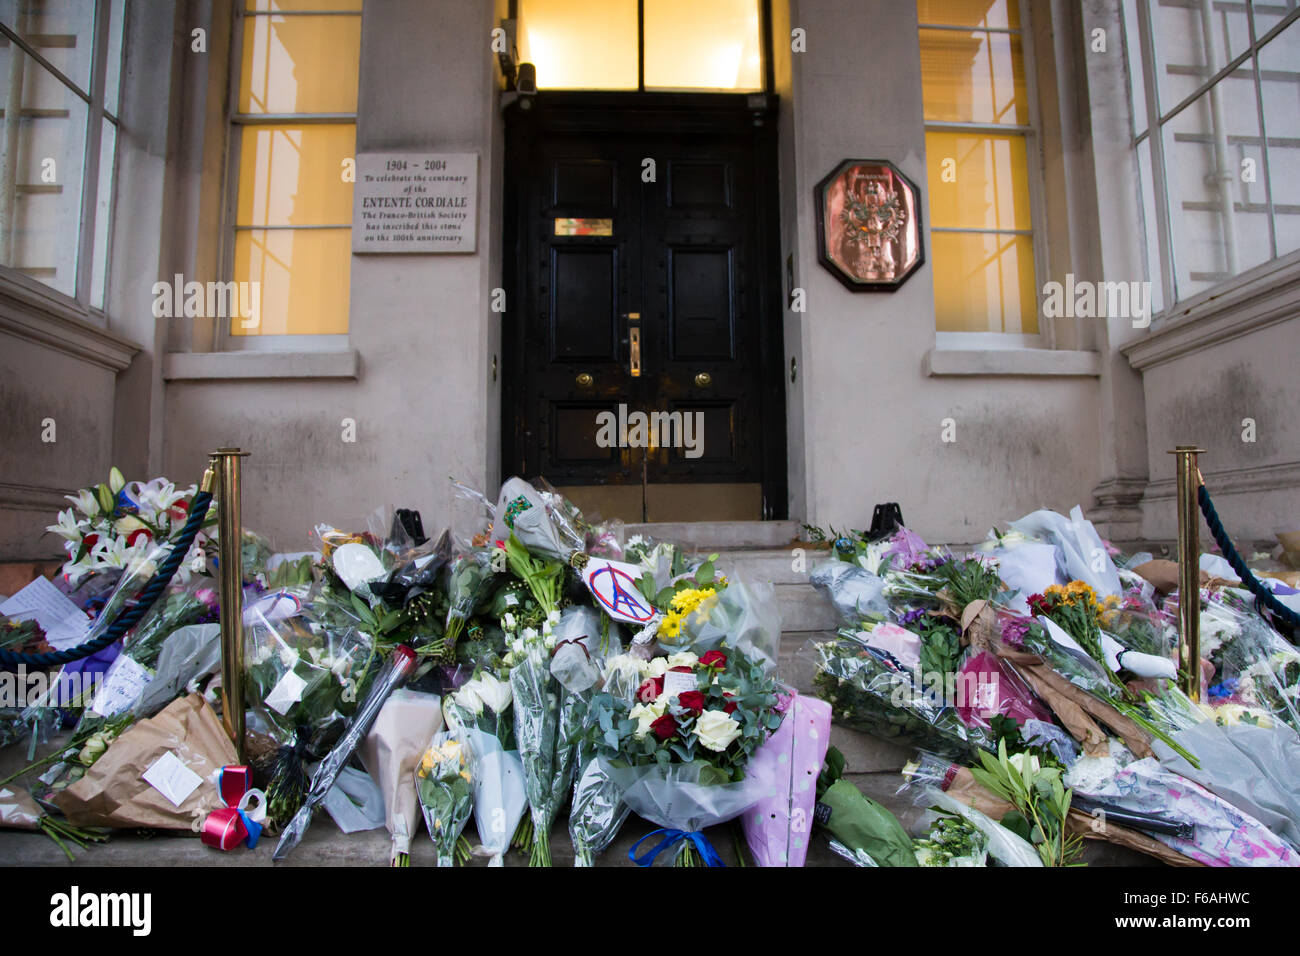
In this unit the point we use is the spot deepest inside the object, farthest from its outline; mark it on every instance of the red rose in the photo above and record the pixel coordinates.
(681, 669)
(692, 700)
(135, 536)
(89, 540)
(714, 659)
(728, 708)
(665, 727)
(650, 690)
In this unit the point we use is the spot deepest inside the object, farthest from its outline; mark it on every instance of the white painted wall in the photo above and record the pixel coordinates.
(425, 403)
(869, 417)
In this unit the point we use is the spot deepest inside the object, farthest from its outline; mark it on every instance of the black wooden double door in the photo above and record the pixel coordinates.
(640, 268)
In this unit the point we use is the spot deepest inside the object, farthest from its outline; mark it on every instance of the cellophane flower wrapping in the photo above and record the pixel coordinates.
(444, 786)
(598, 810)
(785, 768)
(743, 615)
(481, 715)
(304, 679)
(1223, 835)
(546, 750)
(1256, 671)
(870, 690)
(683, 796)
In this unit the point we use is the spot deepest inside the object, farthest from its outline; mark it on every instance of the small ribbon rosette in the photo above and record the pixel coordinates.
(244, 813)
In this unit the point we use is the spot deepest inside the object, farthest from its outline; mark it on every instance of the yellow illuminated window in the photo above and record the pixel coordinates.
(688, 45)
(296, 123)
(977, 147)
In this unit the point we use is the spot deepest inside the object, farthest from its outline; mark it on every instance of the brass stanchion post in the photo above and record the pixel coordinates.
(1189, 570)
(230, 537)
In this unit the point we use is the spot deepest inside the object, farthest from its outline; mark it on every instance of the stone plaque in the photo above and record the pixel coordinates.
(415, 202)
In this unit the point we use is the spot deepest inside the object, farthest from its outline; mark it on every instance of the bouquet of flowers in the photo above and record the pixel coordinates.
(446, 795)
(114, 523)
(544, 728)
(874, 680)
(679, 753)
(598, 810)
(480, 715)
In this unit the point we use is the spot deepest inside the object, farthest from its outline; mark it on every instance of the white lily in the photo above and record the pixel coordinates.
(68, 527)
(86, 502)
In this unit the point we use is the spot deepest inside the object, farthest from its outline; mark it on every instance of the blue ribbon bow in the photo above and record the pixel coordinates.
(672, 838)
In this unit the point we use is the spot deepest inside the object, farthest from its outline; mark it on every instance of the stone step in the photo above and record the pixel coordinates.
(719, 535)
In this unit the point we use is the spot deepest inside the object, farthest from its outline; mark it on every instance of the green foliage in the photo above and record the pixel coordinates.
(1039, 797)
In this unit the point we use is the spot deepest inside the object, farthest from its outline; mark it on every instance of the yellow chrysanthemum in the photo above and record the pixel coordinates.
(688, 600)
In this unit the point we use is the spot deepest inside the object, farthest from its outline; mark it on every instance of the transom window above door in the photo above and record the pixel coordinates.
(656, 45)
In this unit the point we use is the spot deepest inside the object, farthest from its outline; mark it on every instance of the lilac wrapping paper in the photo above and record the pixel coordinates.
(778, 827)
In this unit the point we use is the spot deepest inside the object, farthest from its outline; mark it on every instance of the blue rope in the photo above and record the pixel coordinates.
(135, 608)
(1262, 594)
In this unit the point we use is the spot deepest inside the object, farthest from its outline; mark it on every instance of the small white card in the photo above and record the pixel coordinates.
(171, 778)
(123, 684)
(675, 683)
(286, 692)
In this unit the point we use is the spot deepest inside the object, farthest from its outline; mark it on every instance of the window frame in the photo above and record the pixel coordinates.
(236, 123)
(987, 338)
(97, 114)
(1155, 123)
(766, 69)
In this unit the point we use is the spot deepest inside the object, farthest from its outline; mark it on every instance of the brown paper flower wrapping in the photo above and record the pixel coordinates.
(113, 793)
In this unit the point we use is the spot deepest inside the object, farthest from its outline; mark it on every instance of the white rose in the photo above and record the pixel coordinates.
(645, 715)
(495, 693)
(288, 657)
(656, 667)
(716, 730)
(467, 698)
(1019, 761)
(508, 621)
(682, 659)
(553, 617)
(530, 634)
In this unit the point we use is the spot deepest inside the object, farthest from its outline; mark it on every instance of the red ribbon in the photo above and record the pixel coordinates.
(227, 827)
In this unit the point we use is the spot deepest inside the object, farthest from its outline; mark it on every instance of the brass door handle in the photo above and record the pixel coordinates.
(634, 358)
(584, 380)
(703, 379)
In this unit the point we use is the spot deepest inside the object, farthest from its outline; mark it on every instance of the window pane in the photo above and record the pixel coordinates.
(44, 153)
(62, 31)
(300, 64)
(292, 175)
(983, 282)
(970, 13)
(977, 182)
(702, 46)
(304, 277)
(103, 212)
(1187, 54)
(1151, 243)
(1279, 64)
(1133, 50)
(113, 59)
(973, 77)
(578, 45)
(1218, 221)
